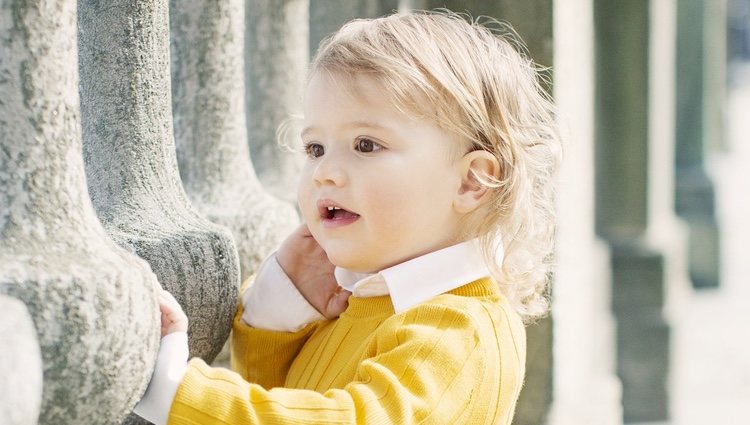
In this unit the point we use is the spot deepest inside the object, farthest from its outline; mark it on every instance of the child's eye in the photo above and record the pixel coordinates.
(314, 150)
(366, 145)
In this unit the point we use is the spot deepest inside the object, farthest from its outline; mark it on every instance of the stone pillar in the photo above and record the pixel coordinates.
(696, 128)
(20, 365)
(532, 20)
(628, 156)
(586, 388)
(277, 59)
(93, 304)
(716, 63)
(327, 16)
(208, 103)
(131, 165)
(666, 231)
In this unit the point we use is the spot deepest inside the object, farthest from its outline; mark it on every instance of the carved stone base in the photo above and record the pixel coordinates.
(695, 203)
(643, 345)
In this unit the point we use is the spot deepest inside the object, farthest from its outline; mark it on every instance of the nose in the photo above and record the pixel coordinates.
(330, 170)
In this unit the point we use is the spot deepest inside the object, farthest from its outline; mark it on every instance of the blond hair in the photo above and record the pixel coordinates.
(480, 87)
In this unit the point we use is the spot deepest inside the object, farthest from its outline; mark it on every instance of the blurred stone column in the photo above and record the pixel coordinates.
(700, 101)
(276, 65)
(586, 388)
(20, 365)
(93, 304)
(532, 20)
(131, 164)
(717, 58)
(666, 231)
(208, 103)
(327, 16)
(631, 138)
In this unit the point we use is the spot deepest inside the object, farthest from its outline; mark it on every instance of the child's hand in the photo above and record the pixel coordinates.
(308, 267)
(173, 319)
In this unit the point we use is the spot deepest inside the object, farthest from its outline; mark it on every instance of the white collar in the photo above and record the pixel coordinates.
(419, 279)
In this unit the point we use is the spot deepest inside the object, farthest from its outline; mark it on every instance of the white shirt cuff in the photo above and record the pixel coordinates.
(273, 303)
(171, 364)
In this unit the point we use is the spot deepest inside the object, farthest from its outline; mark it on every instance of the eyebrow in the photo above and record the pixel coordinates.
(354, 124)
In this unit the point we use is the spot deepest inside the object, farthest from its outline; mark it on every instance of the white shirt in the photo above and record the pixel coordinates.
(272, 302)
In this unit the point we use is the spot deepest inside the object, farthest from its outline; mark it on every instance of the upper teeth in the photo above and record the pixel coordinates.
(333, 208)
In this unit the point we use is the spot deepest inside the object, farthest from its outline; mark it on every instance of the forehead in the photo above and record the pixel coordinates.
(361, 89)
(335, 102)
(367, 89)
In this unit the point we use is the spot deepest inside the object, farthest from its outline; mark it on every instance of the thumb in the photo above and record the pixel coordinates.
(338, 303)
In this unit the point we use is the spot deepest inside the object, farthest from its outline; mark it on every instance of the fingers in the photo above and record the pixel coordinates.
(173, 318)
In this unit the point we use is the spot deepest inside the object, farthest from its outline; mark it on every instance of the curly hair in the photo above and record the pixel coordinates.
(480, 85)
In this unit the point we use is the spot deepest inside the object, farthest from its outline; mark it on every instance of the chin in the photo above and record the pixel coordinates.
(352, 264)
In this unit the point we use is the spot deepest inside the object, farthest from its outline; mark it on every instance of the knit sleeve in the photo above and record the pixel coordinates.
(429, 367)
(262, 356)
(272, 302)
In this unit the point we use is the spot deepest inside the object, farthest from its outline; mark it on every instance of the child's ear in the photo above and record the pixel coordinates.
(474, 166)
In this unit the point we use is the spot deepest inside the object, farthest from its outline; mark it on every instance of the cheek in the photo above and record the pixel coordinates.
(394, 205)
(304, 200)
(421, 202)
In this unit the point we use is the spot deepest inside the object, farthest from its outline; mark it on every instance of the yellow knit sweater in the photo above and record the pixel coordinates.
(456, 359)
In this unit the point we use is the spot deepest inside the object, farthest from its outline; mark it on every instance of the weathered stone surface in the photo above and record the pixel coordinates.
(20, 365)
(277, 58)
(93, 304)
(208, 104)
(131, 164)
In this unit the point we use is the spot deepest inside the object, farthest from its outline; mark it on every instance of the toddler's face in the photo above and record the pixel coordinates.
(378, 186)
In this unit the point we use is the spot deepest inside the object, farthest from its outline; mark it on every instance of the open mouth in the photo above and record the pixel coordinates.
(336, 213)
(333, 215)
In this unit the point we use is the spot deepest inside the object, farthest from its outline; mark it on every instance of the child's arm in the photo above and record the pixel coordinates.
(308, 267)
(270, 301)
(262, 355)
(293, 289)
(171, 361)
(433, 365)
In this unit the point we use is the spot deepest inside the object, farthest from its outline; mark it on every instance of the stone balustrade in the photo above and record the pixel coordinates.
(208, 103)
(93, 304)
(131, 165)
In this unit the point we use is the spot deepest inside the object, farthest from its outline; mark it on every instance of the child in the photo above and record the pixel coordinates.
(431, 147)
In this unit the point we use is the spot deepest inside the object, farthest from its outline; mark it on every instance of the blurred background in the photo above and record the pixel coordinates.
(649, 320)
